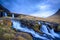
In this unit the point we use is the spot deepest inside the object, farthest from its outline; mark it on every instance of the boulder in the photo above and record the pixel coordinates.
(25, 36)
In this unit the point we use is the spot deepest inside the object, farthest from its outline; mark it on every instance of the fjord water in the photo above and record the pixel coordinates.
(49, 34)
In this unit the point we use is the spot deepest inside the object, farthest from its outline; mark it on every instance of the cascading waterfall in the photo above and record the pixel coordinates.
(54, 34)
(5, 14)
(44, 28)
(12, 15)
(51, 32)
(17, 25)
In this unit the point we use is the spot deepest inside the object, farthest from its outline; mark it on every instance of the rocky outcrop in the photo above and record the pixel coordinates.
(31, 24)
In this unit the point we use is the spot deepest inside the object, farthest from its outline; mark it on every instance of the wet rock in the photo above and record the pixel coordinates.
(36, 27)
(57, 29)
(32, 24)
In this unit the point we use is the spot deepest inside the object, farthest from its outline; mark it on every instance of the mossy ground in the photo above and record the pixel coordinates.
(7, 33)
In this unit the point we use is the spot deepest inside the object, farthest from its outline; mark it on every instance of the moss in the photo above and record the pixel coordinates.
(7, 23)
(37, 27)
(25, 35)
(7, 36)
(20, 38)
(58, 28)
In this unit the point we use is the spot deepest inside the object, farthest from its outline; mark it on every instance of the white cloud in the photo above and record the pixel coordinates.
(44, 6)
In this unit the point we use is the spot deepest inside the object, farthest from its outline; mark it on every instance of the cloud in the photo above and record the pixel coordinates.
(32, 7)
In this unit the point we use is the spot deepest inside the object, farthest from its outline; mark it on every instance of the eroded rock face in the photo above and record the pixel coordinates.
(57, 29)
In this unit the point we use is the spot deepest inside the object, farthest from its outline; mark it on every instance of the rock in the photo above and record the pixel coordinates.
(8, 36)
(7, 23)
(57, 28)
(32, 24)
(24, 35)
(37, 27)
(20, 38)
(1, 22)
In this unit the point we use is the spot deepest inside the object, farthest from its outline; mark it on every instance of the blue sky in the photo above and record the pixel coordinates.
(38, 8)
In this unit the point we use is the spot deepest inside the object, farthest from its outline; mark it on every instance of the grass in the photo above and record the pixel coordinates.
(7, 33)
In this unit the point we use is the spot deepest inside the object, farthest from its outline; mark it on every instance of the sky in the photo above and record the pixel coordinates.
(38, 8)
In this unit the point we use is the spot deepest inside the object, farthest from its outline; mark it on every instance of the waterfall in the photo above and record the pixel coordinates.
(12, 15)
(54, 34)
(17, 25)
(51, 32)
(45, 30)
(5, 14)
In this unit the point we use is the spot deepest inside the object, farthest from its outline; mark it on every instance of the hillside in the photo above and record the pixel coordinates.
(55, 17)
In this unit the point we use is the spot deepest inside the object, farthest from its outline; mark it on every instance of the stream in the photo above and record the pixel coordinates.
(49, 34)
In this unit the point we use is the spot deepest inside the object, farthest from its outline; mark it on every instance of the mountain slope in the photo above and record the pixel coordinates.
(55, 17)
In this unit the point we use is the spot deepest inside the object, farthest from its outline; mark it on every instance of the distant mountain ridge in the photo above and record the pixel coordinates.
(55, 17)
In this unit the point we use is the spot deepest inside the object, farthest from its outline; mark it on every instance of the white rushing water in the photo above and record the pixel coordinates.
(12, 15)
(45, 29)
(54, 34)
(5, 14)
(51, 32)
(17, 25)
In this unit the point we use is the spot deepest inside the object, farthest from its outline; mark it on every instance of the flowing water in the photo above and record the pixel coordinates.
(49, 33)
(5, 14)
(12, 15)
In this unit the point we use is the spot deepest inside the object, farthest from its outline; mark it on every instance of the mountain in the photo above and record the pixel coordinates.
(2, 8)
(55, 17)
